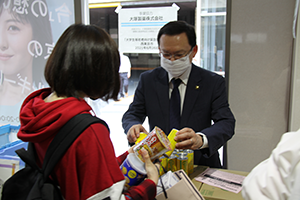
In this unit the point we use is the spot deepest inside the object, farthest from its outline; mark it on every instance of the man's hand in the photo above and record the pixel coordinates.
(188, 139)
(134, 132)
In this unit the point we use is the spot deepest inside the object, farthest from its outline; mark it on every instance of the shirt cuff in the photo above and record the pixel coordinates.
(205, 140)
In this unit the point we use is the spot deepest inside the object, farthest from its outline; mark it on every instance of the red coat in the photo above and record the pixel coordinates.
(89, 168)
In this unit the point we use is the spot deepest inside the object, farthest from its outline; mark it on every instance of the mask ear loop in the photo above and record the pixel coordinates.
(165, 171)
(1, 77)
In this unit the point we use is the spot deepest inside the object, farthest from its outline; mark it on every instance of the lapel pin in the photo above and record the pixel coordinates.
(197, 87)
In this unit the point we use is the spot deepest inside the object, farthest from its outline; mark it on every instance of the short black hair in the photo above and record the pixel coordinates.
(178, 27)
(84, 60)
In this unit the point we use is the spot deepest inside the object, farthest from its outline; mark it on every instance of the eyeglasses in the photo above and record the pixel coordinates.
(176, 56)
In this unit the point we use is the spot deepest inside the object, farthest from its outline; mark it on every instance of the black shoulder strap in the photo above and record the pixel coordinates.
(65, 137)
(60, 144)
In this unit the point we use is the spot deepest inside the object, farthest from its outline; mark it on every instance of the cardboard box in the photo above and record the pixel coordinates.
(214, 193)
(197, 170)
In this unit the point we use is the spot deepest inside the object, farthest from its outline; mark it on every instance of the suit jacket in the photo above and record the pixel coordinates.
(205, 109)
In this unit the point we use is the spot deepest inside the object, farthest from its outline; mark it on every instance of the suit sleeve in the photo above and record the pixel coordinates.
(136, 112)
(223, 120)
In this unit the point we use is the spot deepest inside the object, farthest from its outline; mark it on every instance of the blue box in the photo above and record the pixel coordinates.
(4, 134)
(4, 129)
(10, 148)
(8, 134)
(9, 142)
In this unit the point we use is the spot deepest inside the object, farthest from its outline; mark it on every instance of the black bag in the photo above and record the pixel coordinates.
(33, 182)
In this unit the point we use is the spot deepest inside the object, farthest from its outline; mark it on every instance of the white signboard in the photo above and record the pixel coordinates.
(138, 28)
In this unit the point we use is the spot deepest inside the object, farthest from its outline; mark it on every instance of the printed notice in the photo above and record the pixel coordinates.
(138, 28)
(224, 180)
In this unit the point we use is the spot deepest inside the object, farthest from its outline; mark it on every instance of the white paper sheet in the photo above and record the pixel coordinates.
(224, 180)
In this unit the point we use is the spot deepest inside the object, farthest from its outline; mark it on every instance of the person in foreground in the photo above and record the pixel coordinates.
(203, 98)
(277, 177)
(84, 63)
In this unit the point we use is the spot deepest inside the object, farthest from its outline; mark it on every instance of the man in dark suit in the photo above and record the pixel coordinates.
(206, 121)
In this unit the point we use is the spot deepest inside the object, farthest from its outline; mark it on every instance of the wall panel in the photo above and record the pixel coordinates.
(260, 61)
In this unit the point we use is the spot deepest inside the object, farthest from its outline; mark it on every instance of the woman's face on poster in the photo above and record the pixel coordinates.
(14, 39)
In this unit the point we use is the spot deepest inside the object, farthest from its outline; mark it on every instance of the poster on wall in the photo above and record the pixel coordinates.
(138, 27)
(28, 32)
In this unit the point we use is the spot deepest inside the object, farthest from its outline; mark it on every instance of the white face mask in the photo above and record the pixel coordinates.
(177, 67)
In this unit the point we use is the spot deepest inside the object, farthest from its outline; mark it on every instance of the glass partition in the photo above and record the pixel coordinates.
(213, 29)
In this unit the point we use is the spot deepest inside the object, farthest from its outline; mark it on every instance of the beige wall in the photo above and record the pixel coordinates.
(260, 67)
(294, 123)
